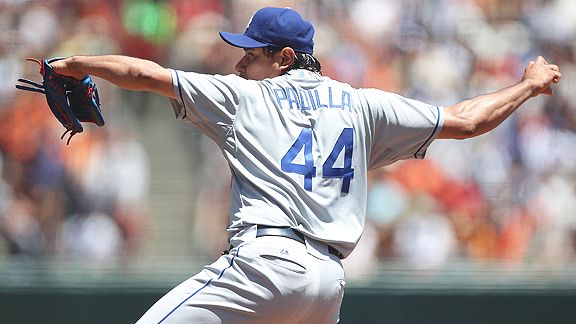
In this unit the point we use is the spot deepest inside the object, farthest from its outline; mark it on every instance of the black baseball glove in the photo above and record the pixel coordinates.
(72, 101)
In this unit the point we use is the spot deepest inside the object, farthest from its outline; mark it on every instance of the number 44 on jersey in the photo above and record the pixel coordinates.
(304, 141)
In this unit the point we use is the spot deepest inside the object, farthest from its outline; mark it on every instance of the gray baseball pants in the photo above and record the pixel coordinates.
(267, 279)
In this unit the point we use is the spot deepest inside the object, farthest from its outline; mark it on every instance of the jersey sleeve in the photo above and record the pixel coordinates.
(400, 128)
(208, 101)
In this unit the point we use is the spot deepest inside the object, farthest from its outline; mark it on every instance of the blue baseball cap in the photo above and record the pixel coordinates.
(278, 27)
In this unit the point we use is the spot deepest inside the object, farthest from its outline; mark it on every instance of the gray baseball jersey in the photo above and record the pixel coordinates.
(300, 145)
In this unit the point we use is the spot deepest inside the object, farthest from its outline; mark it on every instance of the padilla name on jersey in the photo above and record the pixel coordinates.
(300, 145)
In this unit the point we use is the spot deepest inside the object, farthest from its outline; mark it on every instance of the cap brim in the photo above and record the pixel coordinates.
(241, 40)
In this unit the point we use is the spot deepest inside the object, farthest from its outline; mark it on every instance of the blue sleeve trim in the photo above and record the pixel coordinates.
(180, 93)
(429, 139)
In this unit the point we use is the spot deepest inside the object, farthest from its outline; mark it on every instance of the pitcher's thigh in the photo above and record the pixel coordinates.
(178, 305)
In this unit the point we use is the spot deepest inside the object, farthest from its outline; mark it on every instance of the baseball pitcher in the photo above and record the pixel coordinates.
(299, 146)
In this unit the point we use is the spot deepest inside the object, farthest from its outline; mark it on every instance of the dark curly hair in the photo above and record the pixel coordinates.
(301, 61)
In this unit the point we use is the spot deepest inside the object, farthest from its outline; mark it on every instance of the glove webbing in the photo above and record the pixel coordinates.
(40, 89)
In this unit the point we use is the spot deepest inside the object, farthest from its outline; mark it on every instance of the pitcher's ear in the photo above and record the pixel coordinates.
(287, 59)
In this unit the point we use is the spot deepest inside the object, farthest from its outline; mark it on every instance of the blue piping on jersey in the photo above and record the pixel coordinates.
(180, 92)
(431, 135)
(199, 289)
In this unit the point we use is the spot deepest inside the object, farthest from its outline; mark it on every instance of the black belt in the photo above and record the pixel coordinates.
(288, 232)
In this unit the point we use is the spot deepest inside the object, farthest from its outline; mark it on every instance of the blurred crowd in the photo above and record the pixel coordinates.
(506, 197)
(88, 199)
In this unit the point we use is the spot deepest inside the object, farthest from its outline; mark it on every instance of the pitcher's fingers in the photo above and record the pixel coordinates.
(529, 66)
(542, 59)
(557, 76)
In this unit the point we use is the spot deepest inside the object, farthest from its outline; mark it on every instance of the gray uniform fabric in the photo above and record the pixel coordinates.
(299, 147)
